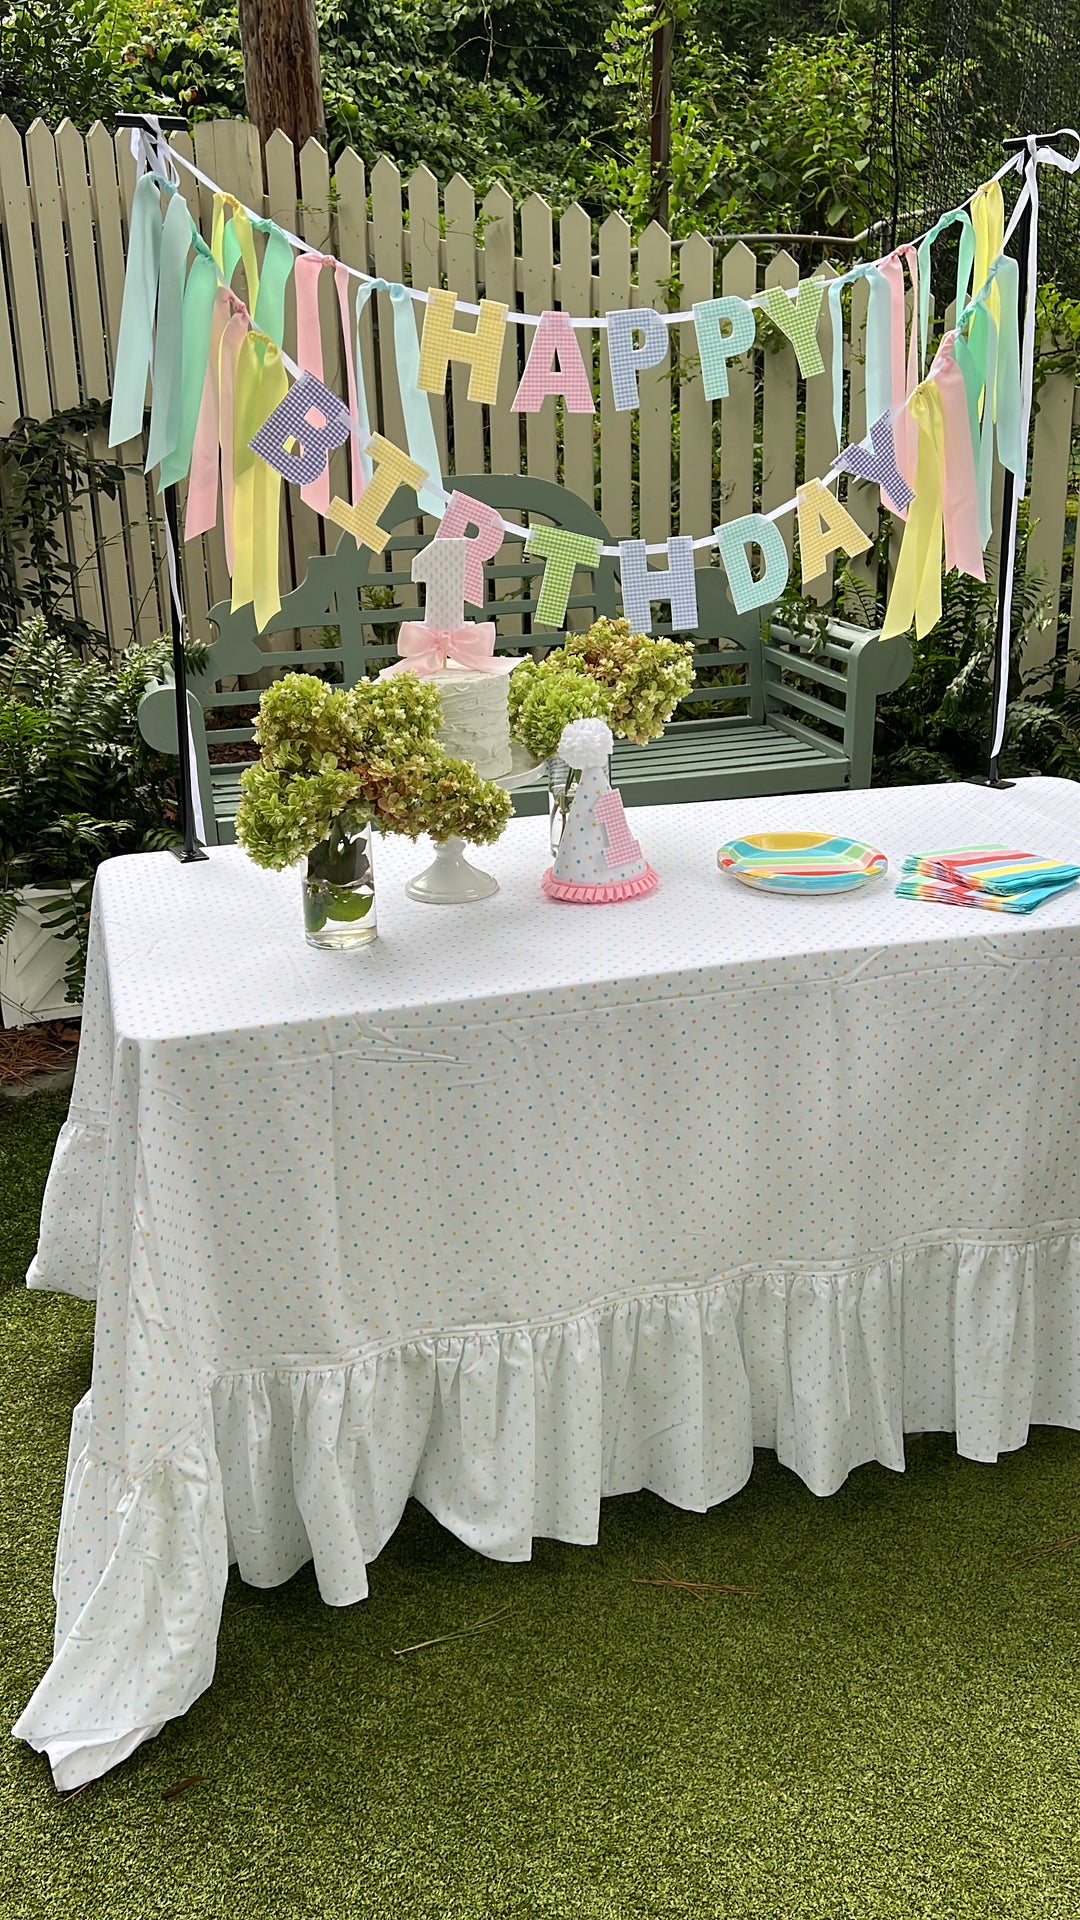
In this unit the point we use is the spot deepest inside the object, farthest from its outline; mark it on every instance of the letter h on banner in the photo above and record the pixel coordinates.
(642, 584)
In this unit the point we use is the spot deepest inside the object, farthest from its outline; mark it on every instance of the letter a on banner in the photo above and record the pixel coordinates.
(733, 540)
(462, 513)
(642, 584)
(480, 350)
(392, 469)
(554, 366)
(824, 526)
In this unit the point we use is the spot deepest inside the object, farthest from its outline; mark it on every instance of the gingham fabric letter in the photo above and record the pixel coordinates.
(878, 465)
(462, 513)
(292, 422)
(733, 540)
(824, 525)
(724, 328)
(641, 585)
(620, 847)
(624, 359)
(391, 469)
(564, 553)
(480, 350)
(798, 318)
(554, 366)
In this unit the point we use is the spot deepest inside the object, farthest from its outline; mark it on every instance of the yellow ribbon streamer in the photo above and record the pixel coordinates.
(261, 385)
(242, 239)
(916, 589)
(987, 207)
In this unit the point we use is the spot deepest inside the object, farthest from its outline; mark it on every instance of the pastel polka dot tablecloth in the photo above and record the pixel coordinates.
(530, 1203)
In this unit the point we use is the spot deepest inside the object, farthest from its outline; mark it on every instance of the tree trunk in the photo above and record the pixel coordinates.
(282, 76)
(660, 110)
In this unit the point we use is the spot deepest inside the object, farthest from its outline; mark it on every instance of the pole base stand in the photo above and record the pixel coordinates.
(186, 855)
(983, 780)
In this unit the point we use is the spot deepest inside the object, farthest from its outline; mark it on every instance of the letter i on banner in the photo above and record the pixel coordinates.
(480, 350)
(642, 584)
(391, 469)
(462, 513)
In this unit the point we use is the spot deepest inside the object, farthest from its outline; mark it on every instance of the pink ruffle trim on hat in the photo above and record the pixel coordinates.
(598, 893)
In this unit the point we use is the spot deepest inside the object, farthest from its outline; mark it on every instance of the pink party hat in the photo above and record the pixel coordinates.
(598, 857)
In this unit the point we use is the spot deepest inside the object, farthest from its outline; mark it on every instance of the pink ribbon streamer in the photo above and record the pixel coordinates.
(904, 379)
(309, 354)
(202, 497)
(425, 650)
(232, 340)
(960, 505)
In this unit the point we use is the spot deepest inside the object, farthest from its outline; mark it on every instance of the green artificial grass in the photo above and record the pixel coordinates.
(887, 1731)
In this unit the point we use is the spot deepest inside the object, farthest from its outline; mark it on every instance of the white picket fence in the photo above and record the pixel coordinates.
(676, 466)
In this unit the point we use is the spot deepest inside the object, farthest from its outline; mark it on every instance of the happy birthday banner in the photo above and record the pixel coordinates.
(235, 416)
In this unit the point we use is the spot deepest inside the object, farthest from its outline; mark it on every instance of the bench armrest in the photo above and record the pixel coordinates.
(156, 716)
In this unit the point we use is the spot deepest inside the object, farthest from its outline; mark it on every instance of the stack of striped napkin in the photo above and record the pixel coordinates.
(999, 878)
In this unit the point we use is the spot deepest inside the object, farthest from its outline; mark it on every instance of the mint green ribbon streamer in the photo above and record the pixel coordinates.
(1010, 439)
(135, 343)
(964, 264)
(837, 324)
(169, 332)
(976, 356)
(878, 368)
(415, 404)
(199, 293)
(989, 359)
(277, 266)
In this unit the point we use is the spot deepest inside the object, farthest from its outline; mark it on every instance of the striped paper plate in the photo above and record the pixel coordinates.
(801, 862)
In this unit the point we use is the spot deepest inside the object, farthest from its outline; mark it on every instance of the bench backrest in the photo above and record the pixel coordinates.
(342, 621)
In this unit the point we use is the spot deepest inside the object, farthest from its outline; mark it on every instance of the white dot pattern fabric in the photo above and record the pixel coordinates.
(525, 1205)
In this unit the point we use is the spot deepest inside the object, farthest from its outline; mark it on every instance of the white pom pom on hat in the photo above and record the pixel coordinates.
(586, 743)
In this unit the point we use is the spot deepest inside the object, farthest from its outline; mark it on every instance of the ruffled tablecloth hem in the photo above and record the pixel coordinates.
(507, 1434)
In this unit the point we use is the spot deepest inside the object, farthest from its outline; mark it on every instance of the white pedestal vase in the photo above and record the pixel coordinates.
(451, 880)
(33, 960)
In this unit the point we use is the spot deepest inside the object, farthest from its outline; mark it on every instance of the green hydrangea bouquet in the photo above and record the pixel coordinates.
(632, 680)
(334, 762)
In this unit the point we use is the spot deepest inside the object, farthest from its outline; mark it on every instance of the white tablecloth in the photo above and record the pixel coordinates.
(531, 1203)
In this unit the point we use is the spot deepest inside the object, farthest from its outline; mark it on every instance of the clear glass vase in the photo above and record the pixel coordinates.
(339, 891)
(562, 785)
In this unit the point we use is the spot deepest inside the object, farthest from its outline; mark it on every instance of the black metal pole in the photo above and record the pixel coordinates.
(191, 848)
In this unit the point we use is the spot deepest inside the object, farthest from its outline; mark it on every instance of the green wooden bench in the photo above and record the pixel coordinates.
(794, 717)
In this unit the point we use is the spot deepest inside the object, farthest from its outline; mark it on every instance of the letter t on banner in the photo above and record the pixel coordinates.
(480, 350)
(462, 513)
(391, 469)
(564, 552)
(641, 584)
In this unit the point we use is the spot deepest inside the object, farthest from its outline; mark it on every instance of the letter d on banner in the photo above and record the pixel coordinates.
(733, 540)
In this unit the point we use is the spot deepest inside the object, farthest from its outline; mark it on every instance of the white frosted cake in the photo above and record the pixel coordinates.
(476, 724)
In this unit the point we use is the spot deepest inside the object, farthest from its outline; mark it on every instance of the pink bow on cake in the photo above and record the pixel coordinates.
(427, 650)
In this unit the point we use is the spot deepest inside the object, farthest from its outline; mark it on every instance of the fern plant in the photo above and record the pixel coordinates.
(77, 782)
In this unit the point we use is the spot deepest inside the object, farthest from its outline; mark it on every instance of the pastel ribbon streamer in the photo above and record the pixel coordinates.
(960, 508)
(200, 293)
(261, 384)
(202, 494)
(964, 263)
(916, 589)
(836, 288)
(987, 208)
(427, 650)
(135, 344)
(415, 404)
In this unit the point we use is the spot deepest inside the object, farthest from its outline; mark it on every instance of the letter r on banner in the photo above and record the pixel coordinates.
(391, 469)
(642, 584)
(292, 422)
(564, 552)
(733, 540)
(462, 513)
(624, 359)
(480, 350)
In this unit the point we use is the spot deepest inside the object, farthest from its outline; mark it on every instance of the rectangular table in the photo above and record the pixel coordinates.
(527, 1204)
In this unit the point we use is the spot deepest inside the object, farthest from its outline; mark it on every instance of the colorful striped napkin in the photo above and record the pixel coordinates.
(1001, 879)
